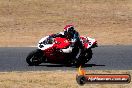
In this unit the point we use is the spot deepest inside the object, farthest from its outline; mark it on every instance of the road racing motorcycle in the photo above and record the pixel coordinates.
(59, 51)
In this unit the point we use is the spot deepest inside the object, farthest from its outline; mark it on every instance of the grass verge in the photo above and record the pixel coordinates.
(54, 79)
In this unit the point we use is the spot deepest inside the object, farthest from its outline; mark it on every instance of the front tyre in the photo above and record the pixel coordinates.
(34, 58)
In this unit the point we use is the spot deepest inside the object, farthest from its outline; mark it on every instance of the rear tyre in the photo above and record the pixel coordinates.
(84, 58)
(88, 55)
(35, 58)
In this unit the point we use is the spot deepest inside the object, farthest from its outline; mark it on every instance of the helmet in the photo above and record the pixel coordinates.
(69, 30)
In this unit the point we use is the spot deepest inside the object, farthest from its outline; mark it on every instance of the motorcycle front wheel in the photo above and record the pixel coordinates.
(34, 58)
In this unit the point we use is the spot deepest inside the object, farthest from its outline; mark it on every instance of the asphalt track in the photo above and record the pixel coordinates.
(104, 58)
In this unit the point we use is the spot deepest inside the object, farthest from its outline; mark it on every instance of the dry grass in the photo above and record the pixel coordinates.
(50, 79)
(24, 22)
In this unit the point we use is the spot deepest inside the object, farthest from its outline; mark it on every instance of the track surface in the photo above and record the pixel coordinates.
(104, 58)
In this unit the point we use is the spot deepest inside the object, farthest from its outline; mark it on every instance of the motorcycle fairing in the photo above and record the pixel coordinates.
(61, 43)
(44, 46)
(87, 41)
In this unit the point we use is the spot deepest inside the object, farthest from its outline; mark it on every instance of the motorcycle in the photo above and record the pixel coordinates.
(58, 50)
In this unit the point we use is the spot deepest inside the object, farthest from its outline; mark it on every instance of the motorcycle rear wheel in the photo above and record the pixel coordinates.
(84, 58)
(34, 58)
(88, 55)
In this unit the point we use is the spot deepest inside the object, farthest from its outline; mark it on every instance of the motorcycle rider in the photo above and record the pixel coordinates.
(71, 34)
